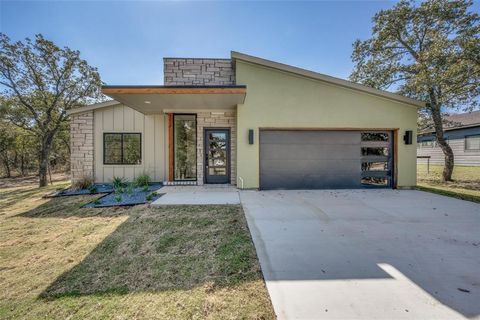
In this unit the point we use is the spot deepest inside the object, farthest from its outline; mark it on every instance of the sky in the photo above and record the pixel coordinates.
(126, 40)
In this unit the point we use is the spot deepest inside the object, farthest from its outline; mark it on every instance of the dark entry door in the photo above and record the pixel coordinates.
(217, 155)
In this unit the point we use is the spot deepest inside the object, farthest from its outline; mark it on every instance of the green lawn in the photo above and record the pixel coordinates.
(465, 184)
(60, 261)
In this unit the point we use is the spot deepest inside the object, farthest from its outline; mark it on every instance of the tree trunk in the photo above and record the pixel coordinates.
(447, 150)
(7, 168)
(22, 164)
(43, 161)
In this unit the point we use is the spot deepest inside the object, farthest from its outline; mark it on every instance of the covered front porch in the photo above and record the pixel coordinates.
(199, 130)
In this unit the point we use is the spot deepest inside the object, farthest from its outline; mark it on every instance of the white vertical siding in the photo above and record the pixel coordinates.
(120, 118)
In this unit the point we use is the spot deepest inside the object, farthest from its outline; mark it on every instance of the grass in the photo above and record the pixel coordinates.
(465, 184)
(58, 260)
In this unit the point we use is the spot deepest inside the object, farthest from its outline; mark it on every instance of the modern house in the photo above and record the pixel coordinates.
(462, 132)
(248, 122)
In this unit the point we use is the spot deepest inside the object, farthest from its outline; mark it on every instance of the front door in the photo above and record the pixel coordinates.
(217, 155)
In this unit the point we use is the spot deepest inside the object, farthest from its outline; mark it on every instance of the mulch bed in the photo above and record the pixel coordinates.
(112, 198)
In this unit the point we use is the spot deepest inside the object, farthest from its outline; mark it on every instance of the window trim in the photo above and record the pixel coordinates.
(465, 143)
(122, 163)
(196, 140)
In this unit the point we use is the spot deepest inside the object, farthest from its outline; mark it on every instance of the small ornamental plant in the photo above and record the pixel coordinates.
(84, 182)
(93, 189)
(130, 188)
(118, 183)
(142, 180)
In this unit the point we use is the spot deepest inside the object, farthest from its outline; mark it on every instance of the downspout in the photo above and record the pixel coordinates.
(241, 181)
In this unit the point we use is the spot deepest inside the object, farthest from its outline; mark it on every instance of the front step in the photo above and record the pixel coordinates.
(179, 183)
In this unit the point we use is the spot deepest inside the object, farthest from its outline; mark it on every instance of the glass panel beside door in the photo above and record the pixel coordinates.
(185, 147)
(217, 155)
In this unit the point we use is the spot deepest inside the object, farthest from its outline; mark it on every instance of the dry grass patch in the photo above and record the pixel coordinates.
(59, 260)
(465, 184)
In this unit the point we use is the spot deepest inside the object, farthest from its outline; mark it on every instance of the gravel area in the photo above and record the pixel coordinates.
(136, 196)
(100, 188)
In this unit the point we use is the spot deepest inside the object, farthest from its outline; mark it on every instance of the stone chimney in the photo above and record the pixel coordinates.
(198, 72)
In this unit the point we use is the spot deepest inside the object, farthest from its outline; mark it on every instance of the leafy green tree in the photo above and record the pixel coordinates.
(7, 144)
(26, 151)
(429, 51)
(40, 82)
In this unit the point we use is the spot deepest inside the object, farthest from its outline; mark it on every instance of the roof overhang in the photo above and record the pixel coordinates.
(92, 107)
(326, 78)
(158, 99)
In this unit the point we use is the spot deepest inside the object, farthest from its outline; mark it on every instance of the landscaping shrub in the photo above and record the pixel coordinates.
(92, 188)
(84, 182)
(150, 196)
(130, 188)
(118, 183)
(142, 180)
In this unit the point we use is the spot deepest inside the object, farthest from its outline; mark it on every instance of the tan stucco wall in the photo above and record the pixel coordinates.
(120, 118)
(276, 99)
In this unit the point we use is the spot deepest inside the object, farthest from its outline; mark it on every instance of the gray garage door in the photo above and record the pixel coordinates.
(324, 159)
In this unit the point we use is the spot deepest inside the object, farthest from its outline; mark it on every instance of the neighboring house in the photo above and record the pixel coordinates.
(249, 122)
(462, 132)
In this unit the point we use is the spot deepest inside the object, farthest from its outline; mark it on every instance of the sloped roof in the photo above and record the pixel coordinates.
(92, 107)
(326, 78)
(463, 119)
(457, 121)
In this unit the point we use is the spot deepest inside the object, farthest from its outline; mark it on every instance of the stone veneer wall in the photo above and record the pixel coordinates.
(198, 71)
(81, 145)
(216, 119)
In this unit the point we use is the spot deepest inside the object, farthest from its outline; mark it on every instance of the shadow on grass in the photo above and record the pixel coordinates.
(157, 249)
(9, 197)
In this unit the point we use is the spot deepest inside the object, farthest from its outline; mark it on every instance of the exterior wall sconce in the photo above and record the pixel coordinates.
(407, 138)
(250, 136)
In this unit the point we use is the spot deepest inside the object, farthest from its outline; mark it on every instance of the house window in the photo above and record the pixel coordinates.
(185, 146)
(472, 142)
(122, 148)
(428, 143)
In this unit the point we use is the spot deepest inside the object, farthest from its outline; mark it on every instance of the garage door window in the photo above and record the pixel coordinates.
(374, 166)
(366, 151)
(375, 136)
(376, 159)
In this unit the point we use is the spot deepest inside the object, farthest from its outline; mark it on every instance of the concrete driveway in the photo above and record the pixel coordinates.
(367, 254)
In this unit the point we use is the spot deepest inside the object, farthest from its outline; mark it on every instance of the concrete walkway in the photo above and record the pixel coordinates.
(197, 195)
(367, 254)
